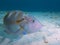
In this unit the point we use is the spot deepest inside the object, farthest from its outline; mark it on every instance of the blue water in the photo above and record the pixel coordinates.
(31, 5)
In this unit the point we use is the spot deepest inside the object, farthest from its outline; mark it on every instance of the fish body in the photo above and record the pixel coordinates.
(17, 24)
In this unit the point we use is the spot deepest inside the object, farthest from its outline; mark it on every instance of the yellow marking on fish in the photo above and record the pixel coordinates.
(18, 21)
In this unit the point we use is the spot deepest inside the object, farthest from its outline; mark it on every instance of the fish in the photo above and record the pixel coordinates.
(17, 24)
(16, 19)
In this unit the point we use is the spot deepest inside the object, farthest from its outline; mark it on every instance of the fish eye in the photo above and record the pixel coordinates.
(33, 21)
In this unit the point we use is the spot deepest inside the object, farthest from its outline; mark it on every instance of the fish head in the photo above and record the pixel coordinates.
(33, 25)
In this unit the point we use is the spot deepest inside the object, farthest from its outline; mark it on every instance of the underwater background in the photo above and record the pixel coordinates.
(46, 11)
(30, 5)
